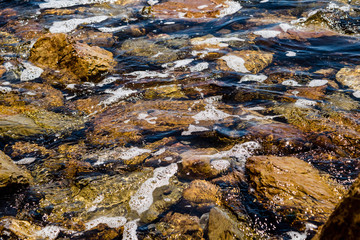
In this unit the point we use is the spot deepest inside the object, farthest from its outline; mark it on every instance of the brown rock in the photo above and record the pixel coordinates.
(10, 174)
(94, 38)
(253, 61)
(292, 188)
(61, 52)
(349, 77)
(2, 70)
(344, 222)
(278, 137)
(180, 226)
(23, 148)
(202, 194)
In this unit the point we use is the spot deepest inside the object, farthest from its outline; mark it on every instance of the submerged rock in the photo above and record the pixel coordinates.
(292, 188)
(199, 10)
(61, 52)
(11, 175)
(223, 225)
(344, 221)
(180, 226)
(245, 61)
(202, 194)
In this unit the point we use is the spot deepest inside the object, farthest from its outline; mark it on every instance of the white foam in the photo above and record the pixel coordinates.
(49, 232)
(27, 160)
(236, 63)
(161, 151)
(216, 41)
(169, 23)
(210, 113)
(199, 67)
(193, 128)
(291, 83)
(253, 77)
(301, 236)
(240, 152)
(143, 198)
(333, 6)
(233, 7)
(107, 81)
(130, 231)
(152, 2)
(111, 222)
(318, 82)
(70, 3)
(290, 54)
(69, 25)
(267, 33)
(5, 89)
(178, 64)
(9, 66)
(147, 74)
(133, 152)
(356, 94)
(285, 26)
(31, 72)
(202, 6)
(112, 29)
(220, 165)
(305, 103)
(117, 95)
(145, 116)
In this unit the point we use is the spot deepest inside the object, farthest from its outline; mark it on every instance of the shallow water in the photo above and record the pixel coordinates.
(170, 92)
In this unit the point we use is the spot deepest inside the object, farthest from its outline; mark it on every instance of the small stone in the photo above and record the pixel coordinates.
(202, 194)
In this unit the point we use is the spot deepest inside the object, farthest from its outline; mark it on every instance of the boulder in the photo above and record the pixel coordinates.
(61, 52)
(292, 188)
(10, 174)
(344, 222)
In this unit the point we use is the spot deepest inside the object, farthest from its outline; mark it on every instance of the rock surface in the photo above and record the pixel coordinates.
(61, 52)
(349, 77)
(11, 175)
(292, 188)
(344, 221)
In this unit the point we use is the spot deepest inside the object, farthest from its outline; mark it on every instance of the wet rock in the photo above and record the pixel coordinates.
(166, 91)
(151, 50)
(223, 225)
(27, 30)
(180, 226)
(164, 198)
(200, 10)
(202, 194)
(21, 149)
(199, 163)
(2, 71)
(349, 77)
(344, 221)
(19, 229)
(279, 137)
(11, 175)
(94, 38)
(61, 52)
(245, 61)
(292, 188)
(90, 105)
(340, 126)
(126, 122)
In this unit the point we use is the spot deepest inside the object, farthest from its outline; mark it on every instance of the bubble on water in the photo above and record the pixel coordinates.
(49, 232)
(236, 63)
(70, 3)
(253, 77)
(117, 95)
(317, 82)
(111, 222)
(267, 33)
(130, 231)
(143, 198)
(69, 25)
(31, 72)
(233, 7)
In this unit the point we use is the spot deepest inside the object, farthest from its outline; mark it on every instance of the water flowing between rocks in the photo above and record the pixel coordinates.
(179, 119)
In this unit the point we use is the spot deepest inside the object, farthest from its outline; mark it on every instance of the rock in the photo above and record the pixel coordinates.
(94, 38)
(21, 149)
(223, 225)
(202, 194)
(349, 77)
(2, 71)
(61, 52)
(180, 226)
(199, 10)
(245, 61)
(164, 198)
(153, 51)
(278, 137)
(126, 122)
(344, 222)
(199, 163)
(292, 188)
(18, 229)
(11, 175)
